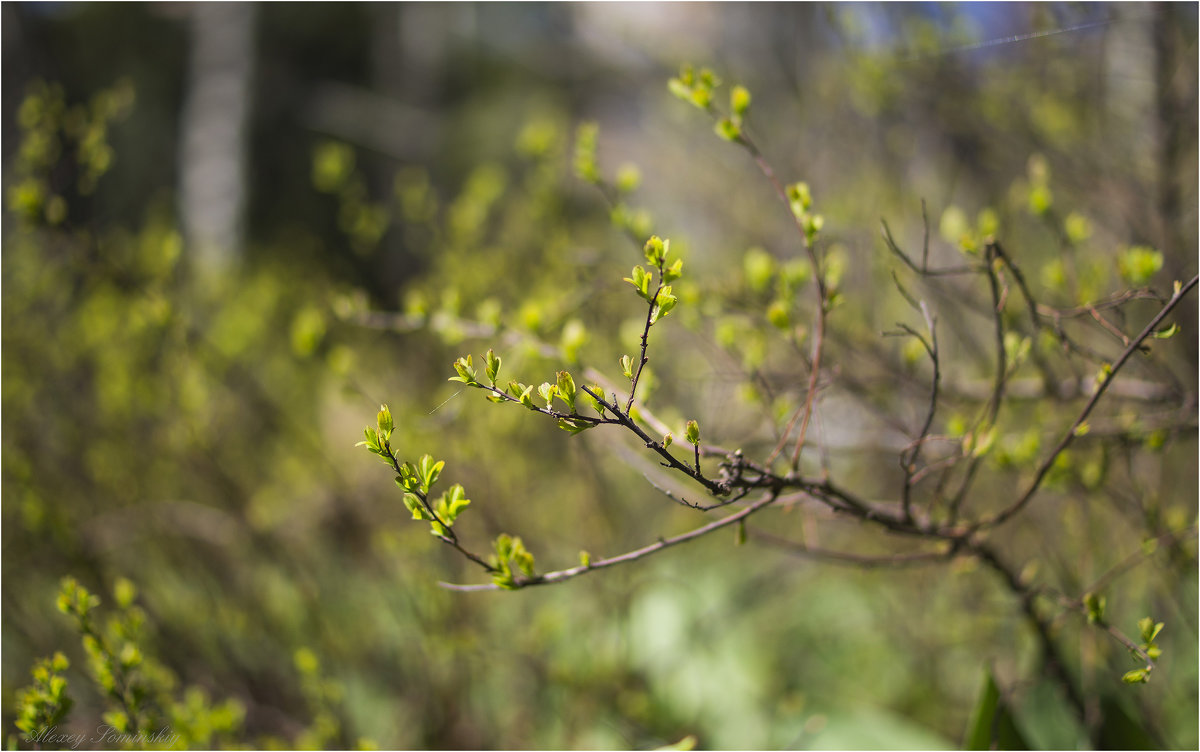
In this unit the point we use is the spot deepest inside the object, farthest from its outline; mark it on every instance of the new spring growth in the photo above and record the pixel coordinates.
(730, 128)
(383, 421)
(800, 200)
(661, 299)
(693, 432)
(595, 401)
(466, 372)
(656, 250)
(694, 88)
(585, 152)
(566, 389)
(376, 440)
(627, 366)
(510, 553)
(492, 366)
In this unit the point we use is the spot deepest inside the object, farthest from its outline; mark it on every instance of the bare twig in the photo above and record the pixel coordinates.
(924, 269)
(909, 460)
(562, 575)
(844, 557)
(692, 505)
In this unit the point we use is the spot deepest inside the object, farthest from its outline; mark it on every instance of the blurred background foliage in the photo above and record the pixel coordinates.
(233, 231)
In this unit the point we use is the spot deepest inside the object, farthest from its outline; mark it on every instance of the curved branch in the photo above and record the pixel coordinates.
(562, 575)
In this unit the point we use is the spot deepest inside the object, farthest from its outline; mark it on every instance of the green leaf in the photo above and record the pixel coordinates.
(626, 367)
(574, 336)
(1138, 264)
(991, 725)
(586, 136)
(1136, 676)
(595, 403)
(799, 196)
(408, 478)
(777, 315)
(466, 373)
(693, 432)
(1077, 228)
(812, 225)
(655, 250)
(546, 391)
(758, 267)
(795, 273)
(492, 366)
(503, 546)
(739, 100)
(628, 178)
(680, 89)
(668, 439)
(566, 389)
(686, 744)
(526, 398)
(673, 272)
(640, 280)
(954, 224)
(1040, 199)
(371, 440)
(452, 501)
(574, 426)
(728, 130)
(987, 223)
(429, 471)
(663, 304)
(413, 502)
(1167, 333)
(511, 551)
(1095, 607)
(384, 420)
(1149, 629)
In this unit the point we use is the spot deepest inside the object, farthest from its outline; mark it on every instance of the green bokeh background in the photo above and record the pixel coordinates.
(189, 425)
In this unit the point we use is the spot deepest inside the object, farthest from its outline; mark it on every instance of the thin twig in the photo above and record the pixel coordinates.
(923, 269)
(562, 575)
(624, 419)
(692, 505)
(909, 462)
(642, 359)
(845, 557)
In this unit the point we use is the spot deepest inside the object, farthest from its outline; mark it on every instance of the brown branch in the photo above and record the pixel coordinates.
(642, 359)
(562, 575)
